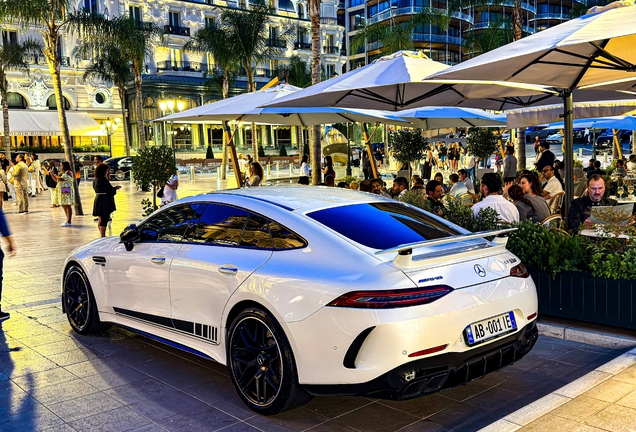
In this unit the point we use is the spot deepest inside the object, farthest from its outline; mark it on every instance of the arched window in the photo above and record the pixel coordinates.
(52, 103)
(301, 11)
(16, 101)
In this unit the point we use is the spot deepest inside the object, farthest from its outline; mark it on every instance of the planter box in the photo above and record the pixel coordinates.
(579, 296)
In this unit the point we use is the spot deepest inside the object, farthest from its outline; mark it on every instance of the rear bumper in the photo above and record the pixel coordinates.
(440, 372)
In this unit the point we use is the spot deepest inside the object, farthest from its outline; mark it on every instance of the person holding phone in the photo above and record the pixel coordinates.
(65, 191)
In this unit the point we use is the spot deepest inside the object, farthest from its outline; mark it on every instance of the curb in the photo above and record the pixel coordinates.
(565, 394)
(602, 336)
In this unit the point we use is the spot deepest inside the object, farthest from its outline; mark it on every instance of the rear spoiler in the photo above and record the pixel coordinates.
(407, 249)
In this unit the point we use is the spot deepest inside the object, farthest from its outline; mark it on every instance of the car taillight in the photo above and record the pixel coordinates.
(519, 271)
(391, 298)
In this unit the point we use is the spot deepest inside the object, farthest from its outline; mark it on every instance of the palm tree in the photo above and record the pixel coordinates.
(12, 57)
(135, 41)
(397, 36)
(214, 40)
(50, 17)
(497, 34)
(249, 30)
(110, 66)
(314, 131)
(297, 73)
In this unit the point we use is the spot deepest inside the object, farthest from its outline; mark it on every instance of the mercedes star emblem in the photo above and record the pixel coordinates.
(480, 270)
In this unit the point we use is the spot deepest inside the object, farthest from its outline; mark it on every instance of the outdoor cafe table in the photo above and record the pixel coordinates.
(592, 233)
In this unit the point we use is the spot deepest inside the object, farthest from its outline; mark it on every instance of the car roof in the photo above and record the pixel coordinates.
(302, 198)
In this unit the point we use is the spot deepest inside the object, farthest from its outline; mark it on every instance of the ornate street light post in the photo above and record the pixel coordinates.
(109, 127)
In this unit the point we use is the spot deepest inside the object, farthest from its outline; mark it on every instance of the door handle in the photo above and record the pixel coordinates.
(157, 260)
(228, 270)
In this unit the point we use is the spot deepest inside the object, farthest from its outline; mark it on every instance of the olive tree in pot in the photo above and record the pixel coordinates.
(408, 146)
(481, 143)
(153, 167)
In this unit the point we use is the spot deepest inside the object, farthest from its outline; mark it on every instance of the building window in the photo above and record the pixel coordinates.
(331, 70)
(210, 22)
(52, 103)
(100, 98)
(16, 101)
(91, 6)
(135, 13)
(9, 37)
(174, 19)
(301, 11)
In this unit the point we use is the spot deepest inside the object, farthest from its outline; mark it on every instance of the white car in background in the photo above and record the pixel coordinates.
(555, 138)
(306, 291)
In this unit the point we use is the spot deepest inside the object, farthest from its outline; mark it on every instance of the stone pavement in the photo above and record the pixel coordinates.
(53, 379)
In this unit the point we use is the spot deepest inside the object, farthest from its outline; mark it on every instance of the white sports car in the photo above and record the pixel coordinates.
(306, 291)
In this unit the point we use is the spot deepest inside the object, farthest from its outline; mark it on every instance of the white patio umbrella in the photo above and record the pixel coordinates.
(593, 51)
(441, 117)
(395, 82)
(245, 107)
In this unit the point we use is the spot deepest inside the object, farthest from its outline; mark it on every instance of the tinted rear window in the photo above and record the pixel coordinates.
(382, 225)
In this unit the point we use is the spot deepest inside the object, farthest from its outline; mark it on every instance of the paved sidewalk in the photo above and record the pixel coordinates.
(53, 379)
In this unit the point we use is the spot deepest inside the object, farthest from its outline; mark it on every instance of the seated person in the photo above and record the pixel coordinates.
(434, 193)
(463, 177)
(400, 187)
(620, 168)
(489, 188)
(631, 165)
(581, 208)
(377, 187)
(580, 182)
(553, 185)
(457, 188)
(597, 170)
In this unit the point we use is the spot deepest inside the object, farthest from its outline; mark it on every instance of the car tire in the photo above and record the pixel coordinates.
(120, 175)
(79, 303)
(261, 361)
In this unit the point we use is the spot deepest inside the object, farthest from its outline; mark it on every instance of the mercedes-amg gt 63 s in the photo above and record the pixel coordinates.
(305, 291)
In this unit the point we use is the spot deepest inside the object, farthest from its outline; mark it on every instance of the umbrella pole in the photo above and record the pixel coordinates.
(230, 145)
(367, 141)
(568, 156)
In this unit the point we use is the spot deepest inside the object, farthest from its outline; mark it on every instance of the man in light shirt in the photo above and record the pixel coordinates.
(553, 185)
(463, 177)
(489, 187)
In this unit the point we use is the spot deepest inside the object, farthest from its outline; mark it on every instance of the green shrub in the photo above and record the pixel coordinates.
(550, 250)
(416, 199)
(612, 259)
(459, 214)
(283, 150)
(482, 142)
(347, 179)
(261, 151)
(209, 154)
(154, 165)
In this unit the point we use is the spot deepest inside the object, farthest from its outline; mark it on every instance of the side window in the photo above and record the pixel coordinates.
(256, 233)
(169, 225)
(284, 238)
(220, 225)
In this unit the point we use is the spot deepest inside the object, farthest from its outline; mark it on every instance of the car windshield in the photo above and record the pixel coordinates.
(383, 225)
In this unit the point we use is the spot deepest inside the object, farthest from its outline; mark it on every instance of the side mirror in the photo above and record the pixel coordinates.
(129, 235)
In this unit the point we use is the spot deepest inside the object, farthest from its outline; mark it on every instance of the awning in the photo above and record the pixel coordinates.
(47, 123)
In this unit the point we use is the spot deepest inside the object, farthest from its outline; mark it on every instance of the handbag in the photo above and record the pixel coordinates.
(66, 190)
(160, 193)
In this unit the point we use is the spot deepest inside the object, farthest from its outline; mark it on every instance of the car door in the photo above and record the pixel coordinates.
(139, 279)
(224, 245)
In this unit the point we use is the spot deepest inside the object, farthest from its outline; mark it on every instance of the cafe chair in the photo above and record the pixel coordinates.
(553, 221)
(555, 202)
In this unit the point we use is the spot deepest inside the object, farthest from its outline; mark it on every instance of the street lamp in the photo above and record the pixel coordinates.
(109, 128)
(167, 106)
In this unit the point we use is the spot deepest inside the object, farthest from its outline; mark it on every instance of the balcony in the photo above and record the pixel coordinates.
(176, 30)
(329, 21)
(35, 59)
(548, 15)
(428, 37)
(276, 43)
(302, 46)
(328, 49)
(65, 61)
(182, 66)
(462, 16)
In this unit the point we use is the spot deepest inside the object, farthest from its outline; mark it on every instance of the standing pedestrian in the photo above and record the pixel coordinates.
(21, 183)
(170, 190)
(4, 186)
(4, 231)
(304, 171)
(4, 163)
(65, 192)
(49, 171)
(104, 203)
(14, 197)
(510, 165)
(37, 175)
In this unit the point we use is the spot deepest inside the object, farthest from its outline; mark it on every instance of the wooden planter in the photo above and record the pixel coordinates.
(579, 296)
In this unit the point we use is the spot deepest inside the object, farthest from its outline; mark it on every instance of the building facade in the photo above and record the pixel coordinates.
(171, 72)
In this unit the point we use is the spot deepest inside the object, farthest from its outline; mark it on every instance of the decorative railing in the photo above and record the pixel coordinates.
(330, 49)
(176, 30)
(277, 43)
(330, 21)
(182, 66)
(302, 46)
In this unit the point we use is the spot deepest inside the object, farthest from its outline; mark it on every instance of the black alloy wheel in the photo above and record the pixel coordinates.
(79, 303)
(262, 365)
(120, 175)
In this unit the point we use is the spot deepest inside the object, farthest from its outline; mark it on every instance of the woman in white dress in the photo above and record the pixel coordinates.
(37, 175)
(170, 190)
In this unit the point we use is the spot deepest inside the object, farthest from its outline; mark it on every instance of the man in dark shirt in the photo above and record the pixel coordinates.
(434, 192)
(580, 209)
(4, 162)
(596, 171)
(590, 165)
(546, 158)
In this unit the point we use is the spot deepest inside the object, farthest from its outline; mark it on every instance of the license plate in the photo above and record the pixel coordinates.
(491, 328)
